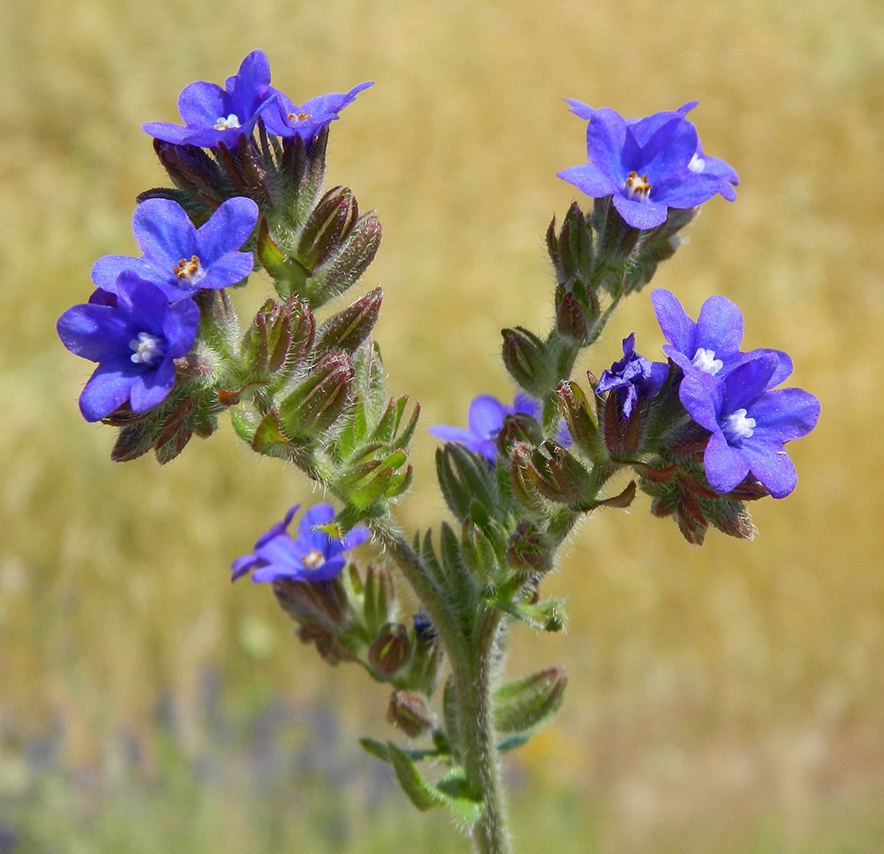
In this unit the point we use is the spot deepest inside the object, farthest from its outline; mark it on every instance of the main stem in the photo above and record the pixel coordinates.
(472, 669)
(471, 654)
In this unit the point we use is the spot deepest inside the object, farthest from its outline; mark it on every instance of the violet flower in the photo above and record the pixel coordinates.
(313, 556)
(749, 424)
(632, 378)
(285, 118)
(213, 115)
(647, 165)
(712, 343)
(179, 258)
(135, 335)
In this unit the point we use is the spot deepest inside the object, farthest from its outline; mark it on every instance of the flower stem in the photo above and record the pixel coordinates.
(471, 653)
(472, 678)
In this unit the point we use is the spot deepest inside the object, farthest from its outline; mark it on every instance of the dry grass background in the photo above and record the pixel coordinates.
(723, 699)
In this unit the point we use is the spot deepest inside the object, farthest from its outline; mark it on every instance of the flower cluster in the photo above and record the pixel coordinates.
(216, 116)
(142, 317)
(647, 165)
(728, 392)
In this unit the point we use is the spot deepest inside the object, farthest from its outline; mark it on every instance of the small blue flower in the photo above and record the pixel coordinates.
(632, 378)
(486, 420)
(213, 115)
(749, 424)
(647, 165)
(179, 258)
(285, 118)
(712, 344)
(313, 556)
(135, 335)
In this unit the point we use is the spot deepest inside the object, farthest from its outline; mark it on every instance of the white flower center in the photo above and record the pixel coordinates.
(314, 559)
(637, 188)
(230, 123)
(191, 271)
(705, 361)
(697, 164)
(737, 426)
(146, 349)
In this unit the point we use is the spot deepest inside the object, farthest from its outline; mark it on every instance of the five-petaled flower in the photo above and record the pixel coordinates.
(313, 556)
(647, 165)
(486, 420)
(749, 424)
(712, 343)
(287, 119)
(632, 378)
(179, 258)
(213, 115)
(135, 335)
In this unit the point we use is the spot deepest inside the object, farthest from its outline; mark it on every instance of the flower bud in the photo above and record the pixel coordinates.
(390, 651)
(411, 713)
(349, 328)
(327, 226)
(320, 399)
(572, 319)
(526, 358)
(580, 416)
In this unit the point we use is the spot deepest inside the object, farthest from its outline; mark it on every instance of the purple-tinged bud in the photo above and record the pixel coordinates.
(518, 427)
(411, 713)
(528, 550)
(314, 601)
(320, 399)
(390, 651)
(573, 321)
(327, 227)
(349, 328)
(622, 435)
(327, 644)
(527, 359)
(348, 263)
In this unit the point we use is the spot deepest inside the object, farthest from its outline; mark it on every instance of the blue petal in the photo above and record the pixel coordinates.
(94, 332)
(719, 327)
(229, 227)
(486, 415)
(641, 215)
(677, 327)
(770, 463)
(726, 467)
(788, 413)
(165, 233)
(106, 390)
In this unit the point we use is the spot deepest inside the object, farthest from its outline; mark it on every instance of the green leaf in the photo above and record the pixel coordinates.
(421, 793)
(529, 703)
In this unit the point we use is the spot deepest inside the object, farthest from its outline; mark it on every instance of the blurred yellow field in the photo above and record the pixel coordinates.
(728, 698)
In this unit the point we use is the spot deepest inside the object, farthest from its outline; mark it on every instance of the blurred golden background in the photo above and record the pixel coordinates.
(722, 699)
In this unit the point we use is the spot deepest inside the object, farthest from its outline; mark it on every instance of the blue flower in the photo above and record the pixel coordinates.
(179, 258)
(486, 420)
(749, 424)
(213, 115)
(647, 165)
(313, 556)
(135, 335)
(632, 378)
(286, 119)
(712, 344)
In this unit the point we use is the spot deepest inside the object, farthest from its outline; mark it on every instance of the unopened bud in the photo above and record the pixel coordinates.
(527, 359)
(411, 713)
(390, 651)
(320, 399)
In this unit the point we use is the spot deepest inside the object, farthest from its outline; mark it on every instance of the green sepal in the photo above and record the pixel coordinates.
(464, 477)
